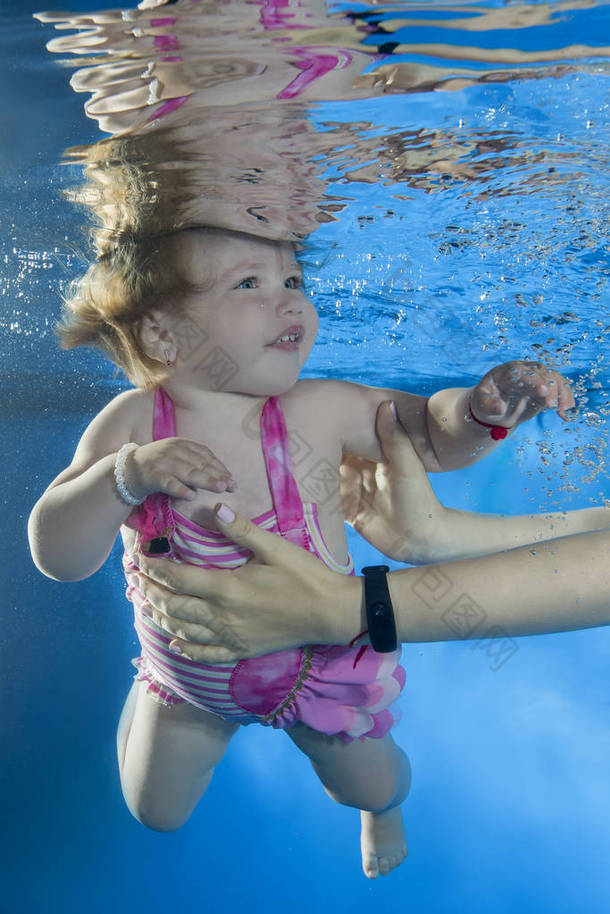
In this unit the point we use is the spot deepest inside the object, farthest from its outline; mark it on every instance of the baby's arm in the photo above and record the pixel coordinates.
(442, 427)
(73, 526)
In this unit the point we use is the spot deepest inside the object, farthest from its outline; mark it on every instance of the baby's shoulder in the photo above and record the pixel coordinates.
(130, 409)
(127, 417)
(136, 409)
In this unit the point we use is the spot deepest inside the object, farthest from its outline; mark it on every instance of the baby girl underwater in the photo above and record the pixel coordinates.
(168, 310)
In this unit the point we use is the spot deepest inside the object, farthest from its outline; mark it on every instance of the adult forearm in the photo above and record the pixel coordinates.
(552, 587)
(73, 526)
(463, 534)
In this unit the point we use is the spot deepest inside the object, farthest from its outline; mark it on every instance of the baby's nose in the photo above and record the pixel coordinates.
(289, 303)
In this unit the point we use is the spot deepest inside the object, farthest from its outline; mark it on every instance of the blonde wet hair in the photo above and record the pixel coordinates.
(135, 239)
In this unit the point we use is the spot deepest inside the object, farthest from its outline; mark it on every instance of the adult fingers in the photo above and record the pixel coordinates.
(207, 653)
(186, 632)
(197, 632)
(269, 548)
(351, 481)
(171, 578)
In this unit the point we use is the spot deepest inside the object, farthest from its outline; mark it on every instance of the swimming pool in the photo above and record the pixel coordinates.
(482, 237)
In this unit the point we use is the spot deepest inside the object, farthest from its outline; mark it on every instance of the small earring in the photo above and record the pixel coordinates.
(262, 305)
(168, 361)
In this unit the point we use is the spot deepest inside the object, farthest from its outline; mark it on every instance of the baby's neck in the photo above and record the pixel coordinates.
(233, 407)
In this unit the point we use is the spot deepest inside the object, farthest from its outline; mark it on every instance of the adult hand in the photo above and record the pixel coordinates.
(392, 504)
(288, 600)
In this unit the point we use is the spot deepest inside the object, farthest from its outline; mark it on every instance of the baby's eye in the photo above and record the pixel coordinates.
(249, 283)
(294, 282)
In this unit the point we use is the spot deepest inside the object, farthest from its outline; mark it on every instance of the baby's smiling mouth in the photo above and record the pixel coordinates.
(289, 338)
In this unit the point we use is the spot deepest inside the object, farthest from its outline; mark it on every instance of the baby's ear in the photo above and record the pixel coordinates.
(155, 336)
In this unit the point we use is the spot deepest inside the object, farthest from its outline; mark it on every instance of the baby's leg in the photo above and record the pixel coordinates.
(373, 775)
(167, 757)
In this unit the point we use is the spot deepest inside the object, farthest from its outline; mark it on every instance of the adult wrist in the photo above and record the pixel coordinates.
(349, 618)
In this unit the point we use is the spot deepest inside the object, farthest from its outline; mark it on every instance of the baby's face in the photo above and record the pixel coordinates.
(252, 326)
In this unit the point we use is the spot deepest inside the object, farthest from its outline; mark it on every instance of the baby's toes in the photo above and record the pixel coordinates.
(385, 865)
(370, 865)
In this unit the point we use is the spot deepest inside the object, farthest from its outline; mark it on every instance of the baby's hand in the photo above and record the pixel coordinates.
(177, 467)
(516, 391)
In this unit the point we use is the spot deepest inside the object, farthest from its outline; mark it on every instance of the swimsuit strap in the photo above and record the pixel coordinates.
(164, 420)
(154, 519)
(284, 491)
(157, 515)
(313, 65)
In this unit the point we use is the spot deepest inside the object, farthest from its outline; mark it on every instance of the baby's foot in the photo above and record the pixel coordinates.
(382, 840)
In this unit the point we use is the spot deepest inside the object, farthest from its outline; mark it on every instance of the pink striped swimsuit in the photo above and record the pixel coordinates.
(335, 690)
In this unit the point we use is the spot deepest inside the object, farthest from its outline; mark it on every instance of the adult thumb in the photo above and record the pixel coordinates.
(394, 440)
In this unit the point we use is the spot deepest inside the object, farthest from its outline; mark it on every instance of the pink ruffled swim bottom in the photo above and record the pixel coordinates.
(334, 690)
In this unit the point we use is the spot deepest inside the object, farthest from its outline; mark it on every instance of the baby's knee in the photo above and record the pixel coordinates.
(379, 798)
(155, 818)
(384, 789)
(404, 777)
(159, 810)
(374, 796)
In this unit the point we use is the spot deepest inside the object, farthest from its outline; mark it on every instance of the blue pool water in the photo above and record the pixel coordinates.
(498, 251)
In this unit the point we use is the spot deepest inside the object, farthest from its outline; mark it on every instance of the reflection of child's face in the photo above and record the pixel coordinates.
(255, 298)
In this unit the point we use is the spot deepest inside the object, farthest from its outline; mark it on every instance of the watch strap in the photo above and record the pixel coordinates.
(379, 609)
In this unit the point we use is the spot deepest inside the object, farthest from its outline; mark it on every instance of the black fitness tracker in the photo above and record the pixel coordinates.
(379, 609)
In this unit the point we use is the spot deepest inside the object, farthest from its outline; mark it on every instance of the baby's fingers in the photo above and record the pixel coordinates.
(210, 478)
(175, 487)
(201, 471)
(204, 469)
(566, 399)
(551, 391)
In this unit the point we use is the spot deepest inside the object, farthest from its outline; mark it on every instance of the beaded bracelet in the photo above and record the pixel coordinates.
(119, 467)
